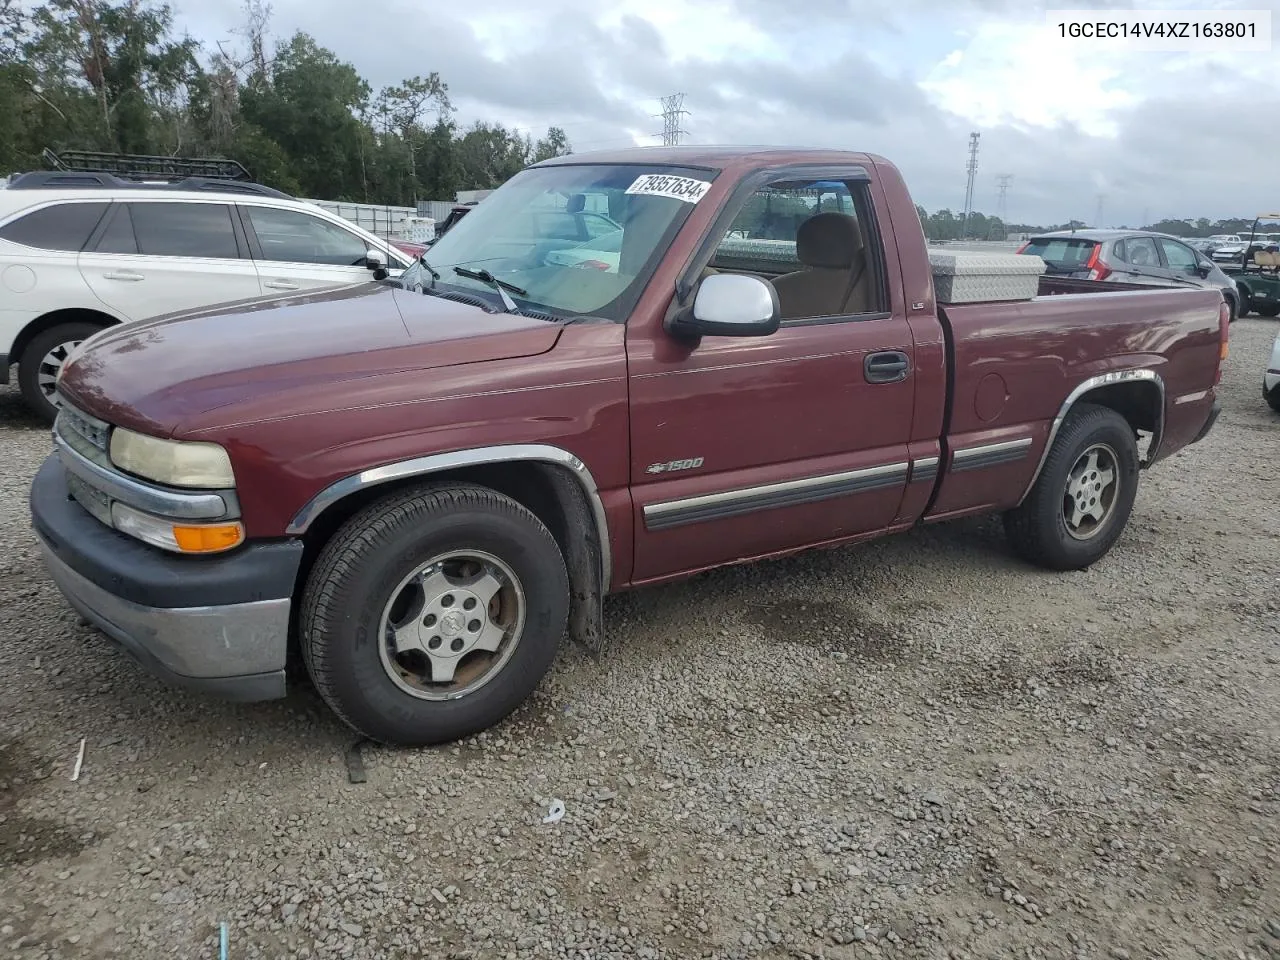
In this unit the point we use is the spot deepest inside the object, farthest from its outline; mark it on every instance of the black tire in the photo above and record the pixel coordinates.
(1233, 309)
(1270, 310)
(1273, 398)
(1242, 310)
(29, 365)
(358, 572)
(1037, 528)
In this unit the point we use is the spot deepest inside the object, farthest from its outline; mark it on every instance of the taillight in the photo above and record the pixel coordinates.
(1022, 248)
(1097, 269)
(594, 265)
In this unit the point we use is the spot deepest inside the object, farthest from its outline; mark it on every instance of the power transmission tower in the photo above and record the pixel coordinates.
(672, 110)
(972, 167)
(1097, 220)
(1001, 198)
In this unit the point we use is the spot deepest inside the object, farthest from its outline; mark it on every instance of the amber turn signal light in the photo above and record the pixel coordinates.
(208, 539)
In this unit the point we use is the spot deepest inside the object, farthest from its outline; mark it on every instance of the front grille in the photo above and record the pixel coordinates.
(90, 428)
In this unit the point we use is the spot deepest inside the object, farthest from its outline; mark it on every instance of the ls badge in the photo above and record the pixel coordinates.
(673, 465)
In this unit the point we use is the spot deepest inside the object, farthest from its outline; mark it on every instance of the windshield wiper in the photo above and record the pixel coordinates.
(435, 274)
(484, 276)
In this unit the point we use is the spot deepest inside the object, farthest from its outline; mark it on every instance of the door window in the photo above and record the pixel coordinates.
(811, 241)
(1141, 252)
(185, 230)
(64, 226)
(119, 236)
(288, 236)
(1181, 259)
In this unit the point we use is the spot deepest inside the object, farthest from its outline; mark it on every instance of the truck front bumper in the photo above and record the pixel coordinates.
(219, 623)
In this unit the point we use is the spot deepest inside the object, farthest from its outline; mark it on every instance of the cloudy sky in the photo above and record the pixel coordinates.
(1155, 134)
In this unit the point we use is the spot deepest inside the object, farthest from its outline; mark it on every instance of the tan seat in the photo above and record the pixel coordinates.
(834, 281)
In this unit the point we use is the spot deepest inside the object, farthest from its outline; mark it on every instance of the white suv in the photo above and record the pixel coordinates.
(82, 251)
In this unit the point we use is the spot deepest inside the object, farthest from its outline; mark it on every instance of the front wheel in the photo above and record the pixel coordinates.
(1273, 398)
(432, 614)
(1082, 500)
(41, 362)
(1270, 310)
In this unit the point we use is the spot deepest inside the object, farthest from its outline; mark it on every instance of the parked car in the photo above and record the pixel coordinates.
(82, 251)
(421, 484)
(1132, 256)
(1229, 251)
(1271, 379)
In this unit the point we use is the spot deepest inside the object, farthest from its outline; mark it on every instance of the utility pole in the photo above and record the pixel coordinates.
(972, 168)
(672, 110)
(1097, 220)
(1002, 206)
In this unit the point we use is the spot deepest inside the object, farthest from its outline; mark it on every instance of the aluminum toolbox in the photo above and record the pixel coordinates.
(961, 276)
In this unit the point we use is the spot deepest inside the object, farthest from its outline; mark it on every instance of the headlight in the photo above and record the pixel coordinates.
(178, 463)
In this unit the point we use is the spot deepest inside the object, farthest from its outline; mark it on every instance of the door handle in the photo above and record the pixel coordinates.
(122, 275)
(888, 367)
(280, 285)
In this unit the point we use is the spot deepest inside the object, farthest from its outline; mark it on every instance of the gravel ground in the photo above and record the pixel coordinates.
(915, 748)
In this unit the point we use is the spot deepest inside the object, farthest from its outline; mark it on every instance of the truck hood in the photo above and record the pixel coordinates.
(158, 373)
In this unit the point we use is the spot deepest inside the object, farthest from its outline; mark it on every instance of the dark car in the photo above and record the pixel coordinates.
(1131, 256)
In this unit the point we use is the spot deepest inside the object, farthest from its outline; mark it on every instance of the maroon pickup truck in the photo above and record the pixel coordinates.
(422, 484)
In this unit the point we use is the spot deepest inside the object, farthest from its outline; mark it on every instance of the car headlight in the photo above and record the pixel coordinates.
(178, 463)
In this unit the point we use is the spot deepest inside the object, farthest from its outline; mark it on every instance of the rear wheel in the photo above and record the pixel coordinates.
(1269, 310)
(1082, 500)
(1273, 398)
(433, 614)
(42, 360)
(1242, 310)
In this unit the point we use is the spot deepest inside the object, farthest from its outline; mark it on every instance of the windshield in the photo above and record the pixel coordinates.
(538, 231)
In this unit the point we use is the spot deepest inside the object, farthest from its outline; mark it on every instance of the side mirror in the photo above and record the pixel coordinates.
(1203, 269)
(730, 305)
(376, 261)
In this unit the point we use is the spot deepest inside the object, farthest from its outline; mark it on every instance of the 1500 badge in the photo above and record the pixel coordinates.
(671, 465)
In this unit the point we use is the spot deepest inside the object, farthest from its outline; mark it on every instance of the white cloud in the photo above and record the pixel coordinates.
(1173, 134)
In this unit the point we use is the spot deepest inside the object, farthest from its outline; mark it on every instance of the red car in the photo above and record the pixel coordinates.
(420, 485)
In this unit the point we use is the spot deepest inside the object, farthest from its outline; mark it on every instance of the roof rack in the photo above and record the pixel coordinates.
(79, 169)
(132, 166)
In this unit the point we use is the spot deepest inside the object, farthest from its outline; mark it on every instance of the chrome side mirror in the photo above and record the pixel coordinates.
(730, 305)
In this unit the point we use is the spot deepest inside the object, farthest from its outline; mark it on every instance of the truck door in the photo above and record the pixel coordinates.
(743, 447)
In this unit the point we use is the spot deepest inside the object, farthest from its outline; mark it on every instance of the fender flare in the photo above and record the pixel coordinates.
(456, 459)
(1093, 383)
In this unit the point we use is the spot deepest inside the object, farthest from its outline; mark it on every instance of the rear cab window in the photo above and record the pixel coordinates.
(62, 226)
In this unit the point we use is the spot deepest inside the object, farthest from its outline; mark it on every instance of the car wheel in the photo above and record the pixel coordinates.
(42, 360)
(1270, 310)
(1273, 398)
(433, 613)
(1242, 309)
(1083, 497)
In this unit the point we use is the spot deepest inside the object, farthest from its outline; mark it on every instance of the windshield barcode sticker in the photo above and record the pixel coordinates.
(662, 185)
